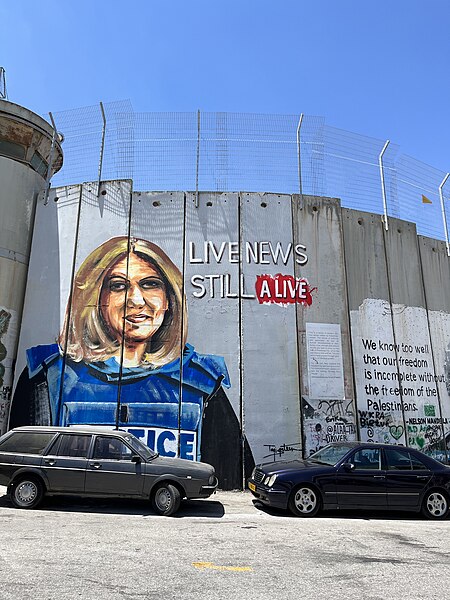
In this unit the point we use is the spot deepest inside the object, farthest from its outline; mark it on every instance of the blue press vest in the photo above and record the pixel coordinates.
(149, 398)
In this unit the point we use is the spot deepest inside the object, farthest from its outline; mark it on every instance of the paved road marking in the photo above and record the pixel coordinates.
(210, 565)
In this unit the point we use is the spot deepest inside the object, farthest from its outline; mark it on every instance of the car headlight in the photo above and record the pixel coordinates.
(270, 480)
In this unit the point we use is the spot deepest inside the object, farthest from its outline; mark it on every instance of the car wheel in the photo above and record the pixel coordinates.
(305, 501)
(435, 505)
(166, 499)
(27, 492)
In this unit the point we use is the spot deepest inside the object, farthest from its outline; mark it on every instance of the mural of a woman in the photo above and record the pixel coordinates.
(117, 363)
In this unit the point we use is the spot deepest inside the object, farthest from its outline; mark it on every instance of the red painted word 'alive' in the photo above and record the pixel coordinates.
(283, 289)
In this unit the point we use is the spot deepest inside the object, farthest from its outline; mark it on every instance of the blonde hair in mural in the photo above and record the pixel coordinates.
(87, 334)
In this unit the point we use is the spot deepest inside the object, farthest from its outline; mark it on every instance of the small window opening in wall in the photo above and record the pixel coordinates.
(156, 203)
(39, 164)
(12, 149)
(103, 192)
(399, 230)
(315, 209)
(360, 221)
(264, 204)
(209, 203)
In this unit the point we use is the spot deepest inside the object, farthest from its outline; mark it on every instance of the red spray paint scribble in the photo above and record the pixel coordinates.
(283, 289)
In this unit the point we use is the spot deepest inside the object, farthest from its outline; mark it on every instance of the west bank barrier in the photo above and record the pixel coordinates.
(221, 325)
(231, 326)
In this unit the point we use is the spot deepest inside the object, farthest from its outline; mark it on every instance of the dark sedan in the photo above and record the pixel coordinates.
(355, 475)
(95, 462)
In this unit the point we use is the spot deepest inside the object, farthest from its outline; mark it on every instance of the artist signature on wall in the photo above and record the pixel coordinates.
(280, 450)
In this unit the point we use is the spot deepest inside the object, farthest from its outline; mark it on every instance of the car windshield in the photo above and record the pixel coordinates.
(330, 455)
(141, 448)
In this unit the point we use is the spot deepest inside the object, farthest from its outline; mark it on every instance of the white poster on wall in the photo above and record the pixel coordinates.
(325, 366)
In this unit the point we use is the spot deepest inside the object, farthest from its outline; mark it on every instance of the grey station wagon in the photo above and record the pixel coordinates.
(94, 462)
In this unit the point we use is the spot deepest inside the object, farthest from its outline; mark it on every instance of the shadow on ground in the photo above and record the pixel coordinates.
(188, 508)
(367, 514)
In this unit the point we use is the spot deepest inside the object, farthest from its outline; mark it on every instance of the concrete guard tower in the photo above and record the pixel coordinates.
(28, 144)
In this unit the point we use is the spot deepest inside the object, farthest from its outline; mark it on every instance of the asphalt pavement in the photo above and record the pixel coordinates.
(226, 547)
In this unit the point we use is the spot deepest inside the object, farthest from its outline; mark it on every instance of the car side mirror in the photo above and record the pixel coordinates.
(136, 459)
(348, 466)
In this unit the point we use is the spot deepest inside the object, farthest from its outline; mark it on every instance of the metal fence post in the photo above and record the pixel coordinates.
(444, 216)
(198, 159)
(102, 147)
(299, 156)
(383, 187)
(3, 92)
(50, 160)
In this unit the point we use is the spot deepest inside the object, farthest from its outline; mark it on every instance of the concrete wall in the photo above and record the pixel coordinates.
(18, 191)
(306, 323)
(324, 332)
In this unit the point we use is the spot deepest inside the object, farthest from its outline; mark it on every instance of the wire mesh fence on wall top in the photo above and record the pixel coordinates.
(220, 151)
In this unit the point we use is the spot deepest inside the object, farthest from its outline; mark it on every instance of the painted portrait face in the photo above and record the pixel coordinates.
(140, 297)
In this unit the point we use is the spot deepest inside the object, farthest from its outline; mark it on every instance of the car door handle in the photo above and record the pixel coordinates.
(379, 477)
(422, 477)
(49, 461)
(96, 465)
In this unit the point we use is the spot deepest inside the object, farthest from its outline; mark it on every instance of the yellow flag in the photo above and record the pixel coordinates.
(426, 200)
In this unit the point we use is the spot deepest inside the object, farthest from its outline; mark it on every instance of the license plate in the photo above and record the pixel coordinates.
(252, 486)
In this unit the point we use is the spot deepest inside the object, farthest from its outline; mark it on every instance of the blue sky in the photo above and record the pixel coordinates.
(375, 67)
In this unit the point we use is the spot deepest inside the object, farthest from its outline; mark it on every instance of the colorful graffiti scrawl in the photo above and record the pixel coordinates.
(8, 327)
(327, 415)
(5, 318)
